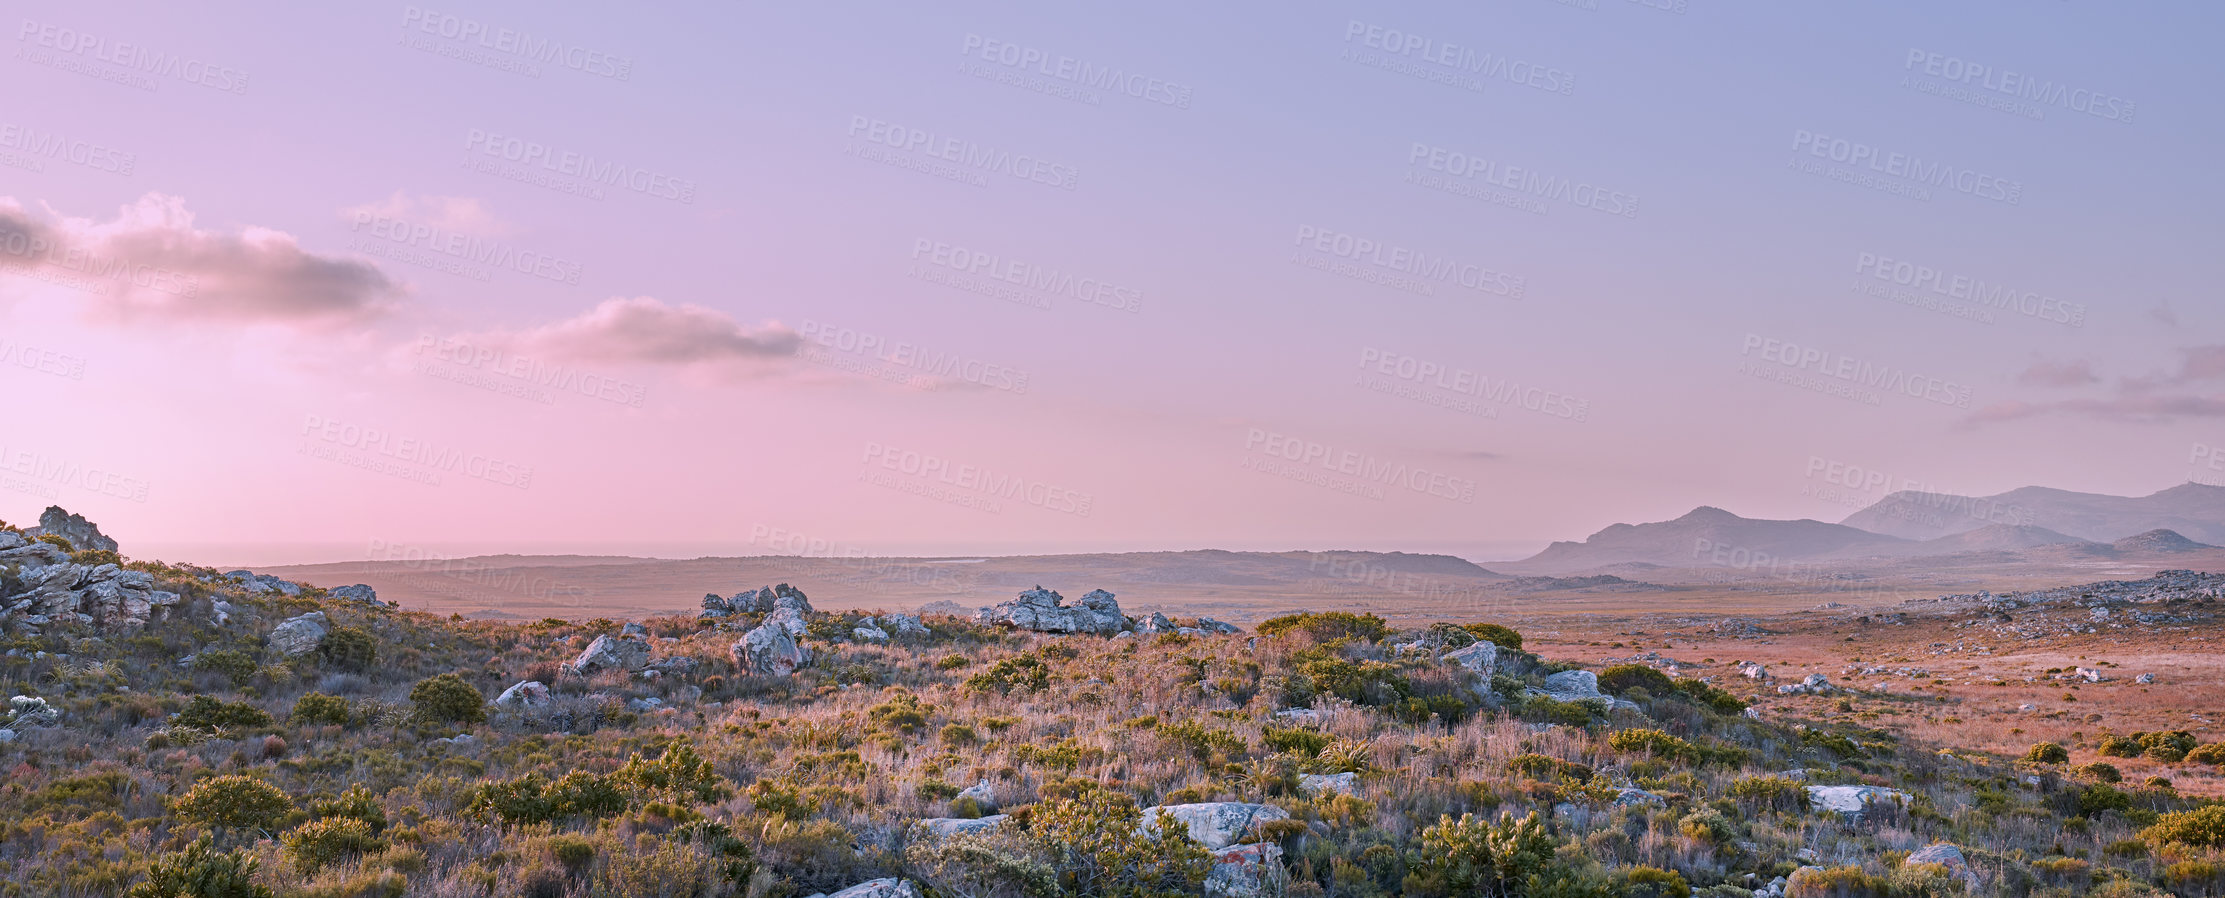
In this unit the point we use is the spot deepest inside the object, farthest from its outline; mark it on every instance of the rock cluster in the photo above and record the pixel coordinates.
(47, 588)
(262, 583)
(763, 600)
(1814, 684)
(1251, 870)
(628, 651)
(771, 648)
(1045, 611)
(357, 592)
(1482, 657)
(1853, 802)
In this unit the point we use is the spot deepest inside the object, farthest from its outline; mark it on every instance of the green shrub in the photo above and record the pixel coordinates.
(234, 802)
(203, 712)
(1622, 678)
(1776, 793)
(1200, 741)
(201, 871)
(235, 665)
(2213, 753)
(2199, 828)
(319, 843)
(1849, 881)
(1651, 882)
(2046, 753)
(1301, 742)
(448, 698)
(1540, 767)
(2107, 773)
(1504, 636)
(1328, 625)
(95, 557)
(355, 804)
(350, 648)
(1098, 846)
(532, 798)
(1022, 672)
(1651, 741)
(1511, 857)
(317, 707)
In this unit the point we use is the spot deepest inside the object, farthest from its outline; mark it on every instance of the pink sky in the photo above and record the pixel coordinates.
(289, 284)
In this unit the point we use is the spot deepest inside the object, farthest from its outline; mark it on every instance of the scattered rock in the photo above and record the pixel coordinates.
(1044, 611)
(262, 583)
(2144, 679)
(1947, 855)
(1156, 623)
(526, 694)
(870, 634)
(1807, 856)
(642, 705)
(2089, 674)
(1246, 871)
(1814, 684)
(1303, 716)
(1217, 628)
(1754, 672)
(300, 635)
(358, 592)
(1578, 686)
(903, 625)
(984, 796)
(623, 652)
(1335, 783)
(1629, 797)
(1215, 824)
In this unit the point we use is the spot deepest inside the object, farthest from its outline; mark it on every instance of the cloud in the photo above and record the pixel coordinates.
(462, 214)
(2136, 409)
(2043, 373)
(151, 263)
(645, 330)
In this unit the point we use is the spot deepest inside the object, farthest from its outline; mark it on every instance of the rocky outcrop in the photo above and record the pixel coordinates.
(526, 694)
(1814, 684)
(626, 651)
(47, 588)
(1045, 611)
(356, 592)
(880, 888)
(262, 583)
(869, 630)
(1299, 716)
(1156, 623)
(1246, 871)
(1482, 657)
(83, 534)
(1853, 802)
(1217, 628)
(1215, 824)
(903, 625)
(1578, 686)
(762, 600)
(299, 636)
(771, 649)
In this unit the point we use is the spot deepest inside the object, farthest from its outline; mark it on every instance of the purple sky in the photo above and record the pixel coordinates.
(291, 283)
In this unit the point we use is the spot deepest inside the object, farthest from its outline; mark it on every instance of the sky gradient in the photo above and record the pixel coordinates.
(286, 284)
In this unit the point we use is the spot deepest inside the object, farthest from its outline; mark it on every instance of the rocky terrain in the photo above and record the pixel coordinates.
(242, 733)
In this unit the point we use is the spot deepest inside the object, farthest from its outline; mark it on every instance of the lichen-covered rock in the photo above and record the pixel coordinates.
(1481, 657)
(984, 796)
(771, 650)
(262, 583)
(944, 827)
(1215, 824)
(869, 634)
(1246, 871)
(1156, 623)
(526, 694)
(1578, 686)
(1947, 855)
(1045, 611)
(1215, 627)
(903, 625)
(1331, 783)
(356, 592)
(622, 652)
(299, 635)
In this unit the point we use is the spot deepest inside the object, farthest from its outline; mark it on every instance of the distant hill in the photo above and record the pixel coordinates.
(2194, 510)
(1997, 538)
(1710, 537)
(2157, 541)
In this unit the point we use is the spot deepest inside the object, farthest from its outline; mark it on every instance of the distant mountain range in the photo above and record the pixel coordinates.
(2195, 510)
(1908, 525)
